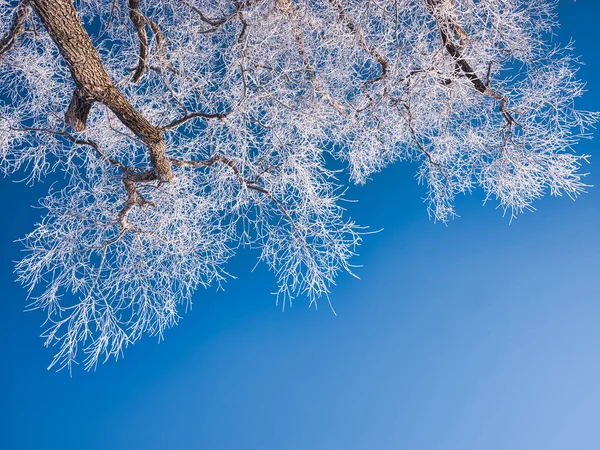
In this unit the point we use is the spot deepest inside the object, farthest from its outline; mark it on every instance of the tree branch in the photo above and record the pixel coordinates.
(248, 183)
(74, 140)
(447, 27)
(215, 23)
(194, 115)
(370, 49)
(139, 21)
(93, 83)
(17, 28)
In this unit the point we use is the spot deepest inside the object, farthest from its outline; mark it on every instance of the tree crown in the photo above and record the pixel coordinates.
(188, 128)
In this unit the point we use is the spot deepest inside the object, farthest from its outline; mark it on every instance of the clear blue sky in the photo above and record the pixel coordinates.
(478, 335)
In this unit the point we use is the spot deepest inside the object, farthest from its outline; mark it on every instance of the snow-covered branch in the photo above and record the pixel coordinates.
(188, 128)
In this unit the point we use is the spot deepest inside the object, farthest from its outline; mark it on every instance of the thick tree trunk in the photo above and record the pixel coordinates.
(93, 83)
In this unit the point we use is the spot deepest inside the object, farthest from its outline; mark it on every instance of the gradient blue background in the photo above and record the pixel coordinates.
(478, 335)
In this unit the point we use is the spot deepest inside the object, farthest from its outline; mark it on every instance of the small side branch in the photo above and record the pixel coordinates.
(248, 183)
(194, 115)
(17, 28)
(215, 23)
(448, 28)
(74, 140)
(204, 115)
(140, 21)
(287, 8)
(133, 198)
(311, 73)
(361, 38)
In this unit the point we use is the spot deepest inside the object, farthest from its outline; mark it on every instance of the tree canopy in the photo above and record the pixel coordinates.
(186, 129)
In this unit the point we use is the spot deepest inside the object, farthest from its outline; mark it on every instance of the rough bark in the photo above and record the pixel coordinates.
(139, 21)
(78, 111)
(93, 83)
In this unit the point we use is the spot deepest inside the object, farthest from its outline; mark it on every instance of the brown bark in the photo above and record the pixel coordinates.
(139, 21)
(93, 83)
(78, 111)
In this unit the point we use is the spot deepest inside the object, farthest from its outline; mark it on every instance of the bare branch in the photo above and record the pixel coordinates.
(447, 25)
(139, 21)
(383, 63)
(17, 28)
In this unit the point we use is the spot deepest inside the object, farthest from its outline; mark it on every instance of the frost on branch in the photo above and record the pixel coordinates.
(184, 129)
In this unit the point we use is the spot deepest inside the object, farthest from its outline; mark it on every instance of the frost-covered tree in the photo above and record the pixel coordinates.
(188, 128)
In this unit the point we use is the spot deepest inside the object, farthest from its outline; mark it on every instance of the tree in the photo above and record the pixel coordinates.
(188, 128)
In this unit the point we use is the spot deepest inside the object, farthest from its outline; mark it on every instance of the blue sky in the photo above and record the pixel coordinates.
(476, 335)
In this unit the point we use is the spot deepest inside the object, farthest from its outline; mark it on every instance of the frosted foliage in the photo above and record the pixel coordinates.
(259, 101)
